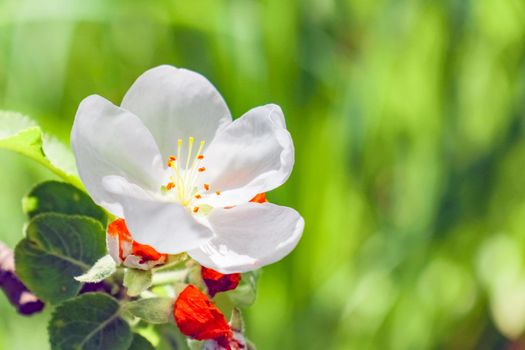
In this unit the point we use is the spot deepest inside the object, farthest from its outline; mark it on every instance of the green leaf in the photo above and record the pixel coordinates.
(102, 269)
(140, 343)
(152, 310)
(61, 197)
(245, 293)
(137, 281)
(57, 248)
(89, 322)
(20, 134)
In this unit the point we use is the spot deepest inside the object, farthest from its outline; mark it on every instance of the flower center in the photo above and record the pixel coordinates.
(183, 182)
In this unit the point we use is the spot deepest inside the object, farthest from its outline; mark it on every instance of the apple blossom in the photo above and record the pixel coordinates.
(173, 164)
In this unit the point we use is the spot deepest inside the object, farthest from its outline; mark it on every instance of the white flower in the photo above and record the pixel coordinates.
(171, 162)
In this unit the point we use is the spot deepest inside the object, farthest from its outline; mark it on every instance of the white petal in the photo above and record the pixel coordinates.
(253, 154)
(112, 243)
(176, 104)
(109, 141)
(166, 226)
(249, 236)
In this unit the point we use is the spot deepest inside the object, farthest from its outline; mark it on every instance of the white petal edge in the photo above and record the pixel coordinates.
(112, 244)
(249, 236)
(176, 103)
(254, 154)
(110, 141)
(168, 227)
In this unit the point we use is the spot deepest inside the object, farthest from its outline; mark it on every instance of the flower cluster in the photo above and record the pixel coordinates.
(180, 176)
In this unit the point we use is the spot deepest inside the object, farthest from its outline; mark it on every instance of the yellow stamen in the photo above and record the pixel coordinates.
(190, 140)
(185, 176)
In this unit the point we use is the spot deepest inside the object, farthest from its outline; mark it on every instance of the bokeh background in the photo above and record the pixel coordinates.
(409, 124)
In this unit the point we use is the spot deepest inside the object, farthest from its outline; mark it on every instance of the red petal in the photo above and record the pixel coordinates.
(218, 282)
(146, 252)
(119, 228)
(199, 318)
(260, 198)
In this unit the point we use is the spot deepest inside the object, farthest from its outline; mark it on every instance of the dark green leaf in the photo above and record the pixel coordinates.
(61, 197)
(140, 343)
(57, 248)
(89, 322)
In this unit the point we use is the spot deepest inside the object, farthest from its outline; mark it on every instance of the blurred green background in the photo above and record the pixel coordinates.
(408, 119)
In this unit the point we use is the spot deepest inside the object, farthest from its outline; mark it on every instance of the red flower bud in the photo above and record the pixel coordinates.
(197, 317)
(218, 282)
(119, 229)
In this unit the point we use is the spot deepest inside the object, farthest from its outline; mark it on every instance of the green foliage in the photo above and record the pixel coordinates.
(246, 292)
(60, 197)
(56, 249)
(140, 343)
(136, 281)
(89, 322)
(19, 134)
(407, 119)
(152, 310)
(102, 269)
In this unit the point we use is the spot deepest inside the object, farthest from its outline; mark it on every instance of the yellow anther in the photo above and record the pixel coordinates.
(202, 169)
(170, 185)
(218, 193)
(198, 196)
(207, 187)
(195, 209)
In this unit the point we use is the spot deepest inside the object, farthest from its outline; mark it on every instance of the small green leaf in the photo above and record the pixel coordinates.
(89, 322)
(102, 269)
(245, 293)
(140, 343)
(57, 248)
(137, 281)
(61, 197)
(152, 310)
(20, 134)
